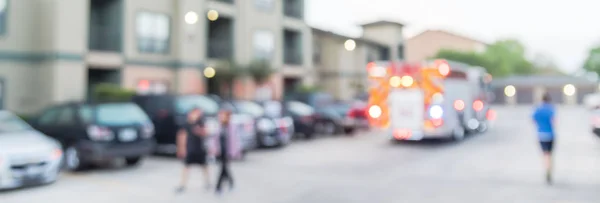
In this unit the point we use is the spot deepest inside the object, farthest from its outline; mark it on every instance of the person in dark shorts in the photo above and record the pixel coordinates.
(225, 175)
(191, 147)
(544, 120)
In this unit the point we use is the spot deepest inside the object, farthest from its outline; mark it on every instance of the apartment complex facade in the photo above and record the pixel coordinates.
(428, 43)
(342, 69)
(57, 50)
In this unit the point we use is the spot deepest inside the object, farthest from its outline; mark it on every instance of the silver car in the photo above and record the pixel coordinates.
(27, 157)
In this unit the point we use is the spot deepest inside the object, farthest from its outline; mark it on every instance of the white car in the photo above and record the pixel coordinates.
(27, 157)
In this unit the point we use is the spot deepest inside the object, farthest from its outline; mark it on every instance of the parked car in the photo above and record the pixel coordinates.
(94, 132)
(328, 120)
(271, 130)
(303, 116)
(27, 157)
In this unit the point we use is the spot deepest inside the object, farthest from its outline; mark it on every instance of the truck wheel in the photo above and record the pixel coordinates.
(483, 127)
(458, 133)
(132, 161)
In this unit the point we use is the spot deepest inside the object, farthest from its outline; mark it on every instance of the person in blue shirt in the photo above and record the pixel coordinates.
(544, 120)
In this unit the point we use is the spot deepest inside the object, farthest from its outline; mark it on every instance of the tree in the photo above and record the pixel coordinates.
(260, 71)
(592, 62)
(502, 58)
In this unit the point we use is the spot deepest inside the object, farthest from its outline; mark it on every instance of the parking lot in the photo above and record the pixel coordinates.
(503, 165)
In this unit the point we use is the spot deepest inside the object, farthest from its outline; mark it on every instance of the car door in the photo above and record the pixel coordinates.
(46, 122)
(67, 125)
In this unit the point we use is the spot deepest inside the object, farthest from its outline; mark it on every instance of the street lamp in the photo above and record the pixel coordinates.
(191, 18)
(350, 45)
(510, 91)
(209, 72)
(569, 90)
(212, 15)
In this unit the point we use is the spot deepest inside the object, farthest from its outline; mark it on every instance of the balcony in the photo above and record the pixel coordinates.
(105, 26)
(294, 8)
(292, 47)
(220, 39)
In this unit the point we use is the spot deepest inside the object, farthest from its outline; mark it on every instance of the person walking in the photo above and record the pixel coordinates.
(224, 142)
(191, 148)
(543, 117)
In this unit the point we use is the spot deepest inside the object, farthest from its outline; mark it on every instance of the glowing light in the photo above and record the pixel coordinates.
(491, 115)
(436, 112)
(395, 81)
(569, 90)
(191, 17)
(212, 15)
(209, 72)
(478, 105)
(144, 85)
(510, 91)
(444, 69)
(459, 105)
(407, 81)
(377, 71)
(350, 45)
(375, 111)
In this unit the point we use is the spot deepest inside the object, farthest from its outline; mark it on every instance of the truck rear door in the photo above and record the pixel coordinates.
(406, 109)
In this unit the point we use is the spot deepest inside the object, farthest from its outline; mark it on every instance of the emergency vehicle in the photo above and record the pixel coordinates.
(433, 99)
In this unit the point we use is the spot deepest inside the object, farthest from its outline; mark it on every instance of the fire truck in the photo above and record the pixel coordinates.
(437, 99)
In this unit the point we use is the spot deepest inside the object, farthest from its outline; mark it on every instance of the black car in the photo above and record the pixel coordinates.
(271, 130)
(329, 120)
(304, 117)
(98, 132)
(168, 112)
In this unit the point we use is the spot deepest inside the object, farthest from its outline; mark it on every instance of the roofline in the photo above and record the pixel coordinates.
(358, 39)
(379, 22)
(450, 33)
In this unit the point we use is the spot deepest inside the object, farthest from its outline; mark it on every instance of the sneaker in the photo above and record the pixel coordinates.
(549, 178)
(180, 189)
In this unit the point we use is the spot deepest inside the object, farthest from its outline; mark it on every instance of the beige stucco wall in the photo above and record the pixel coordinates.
(429, 43)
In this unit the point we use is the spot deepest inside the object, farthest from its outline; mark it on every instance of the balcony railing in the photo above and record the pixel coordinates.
(103, 38)
(292, 58)
(220, 49)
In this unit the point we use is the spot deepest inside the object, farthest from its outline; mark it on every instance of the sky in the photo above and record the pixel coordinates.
(561, 30)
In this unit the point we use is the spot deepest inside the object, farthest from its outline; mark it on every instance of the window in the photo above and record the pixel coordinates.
(153, 32)
(49, 116)
(86, 114)
(66, 116)
(266, 5)
(120, 114)
(3, 16)
(264, 45)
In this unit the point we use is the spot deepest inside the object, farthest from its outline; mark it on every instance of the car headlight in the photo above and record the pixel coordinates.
(265, 125)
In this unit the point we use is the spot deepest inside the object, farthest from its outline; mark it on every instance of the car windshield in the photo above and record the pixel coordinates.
(120, 114)
(273, 108)
(12, 123)
(187, 103)
(300, 108)
(251, 108)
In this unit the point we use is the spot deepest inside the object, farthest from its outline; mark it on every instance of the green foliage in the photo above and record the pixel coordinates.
(592, 62)
(112, 93)
(303, 89)
(260, 70)
(502, 58)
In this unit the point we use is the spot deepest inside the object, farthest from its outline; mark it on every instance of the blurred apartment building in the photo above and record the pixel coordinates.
(341, 65)
(427, 44)
(57, 50)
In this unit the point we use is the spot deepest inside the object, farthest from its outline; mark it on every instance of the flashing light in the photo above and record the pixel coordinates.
(444, 69)
(375, 111)
(437, 122)
(510, 91)
(436, 112)
(407, 81)
(491, 115)
(395, 81)
(402, 134)
(569, 90)
(377, 71)
(459, 105)
(478, 105)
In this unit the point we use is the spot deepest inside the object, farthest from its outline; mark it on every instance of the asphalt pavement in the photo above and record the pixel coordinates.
(502, 165)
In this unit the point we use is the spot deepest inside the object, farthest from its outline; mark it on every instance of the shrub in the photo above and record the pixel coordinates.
(112, 93)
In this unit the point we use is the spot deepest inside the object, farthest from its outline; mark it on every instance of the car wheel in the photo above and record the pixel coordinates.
(329, 128)
(132, 161)
(73, 160)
